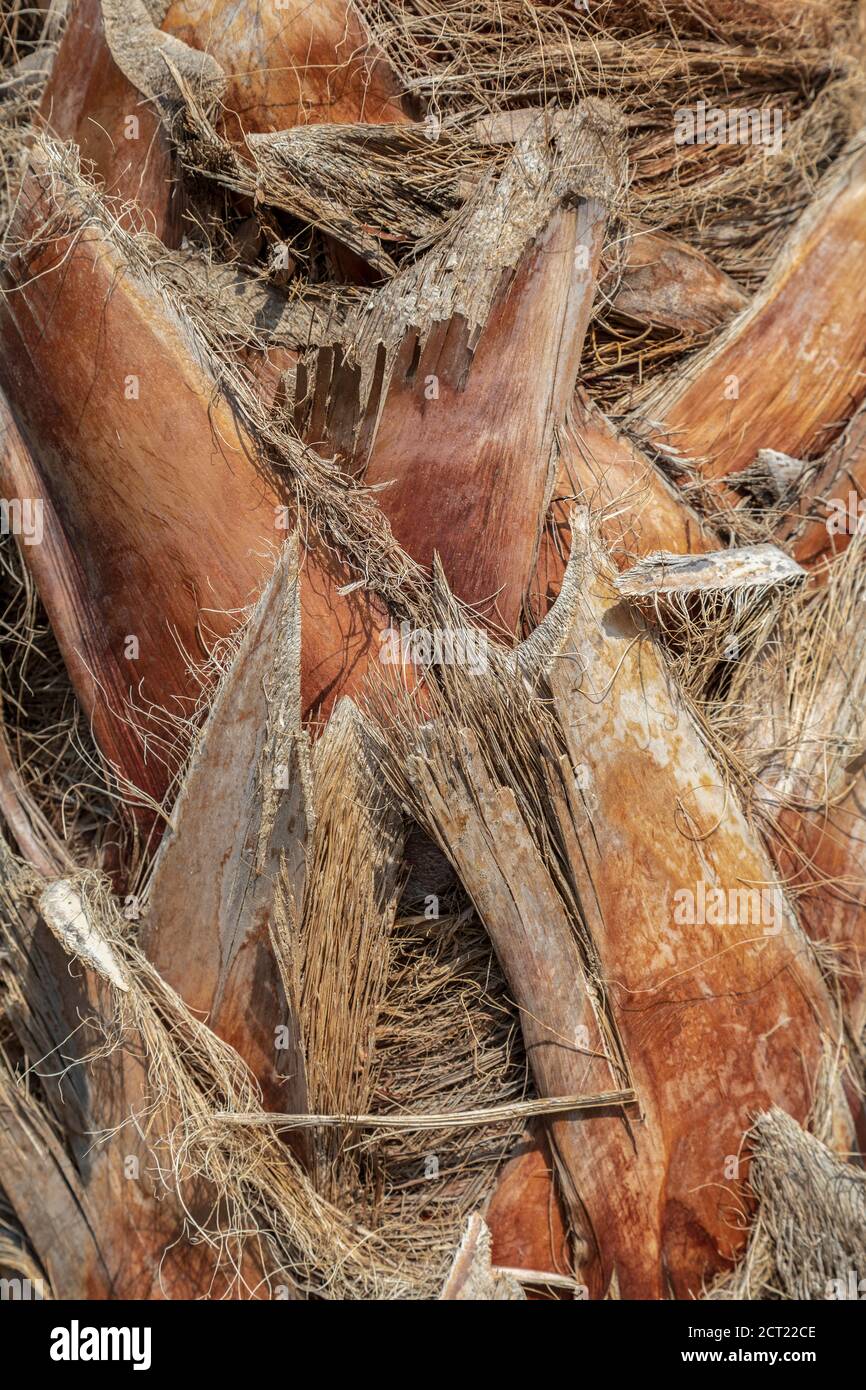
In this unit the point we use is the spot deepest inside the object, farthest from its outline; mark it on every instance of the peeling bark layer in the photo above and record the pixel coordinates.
(639, 510)
(476, 350)
(295, 64)
(791, 369)
(809, 774)
(89, 101)
(663, 281)
(241, 813)
(683, 991)
(105, 1224)
(684, 983)
(829, 512)
(159, 524)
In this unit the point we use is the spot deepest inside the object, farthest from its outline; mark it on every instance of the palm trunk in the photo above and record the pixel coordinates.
(449, 814)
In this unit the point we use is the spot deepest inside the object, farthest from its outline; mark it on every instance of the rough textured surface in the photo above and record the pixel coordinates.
(244, 809)
(677, 987)
(105, 1225)
(662, 573)
(639, 510)
(472, 1277)
(155, 454)
(809, 1236)
(663, 281)
(787, 371)
(89, 100)
(288, 65)
(454, 379)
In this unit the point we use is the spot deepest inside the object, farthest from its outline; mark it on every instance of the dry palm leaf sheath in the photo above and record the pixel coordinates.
(432, 669)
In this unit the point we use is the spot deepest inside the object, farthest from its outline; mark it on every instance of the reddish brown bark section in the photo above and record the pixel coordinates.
(159, 524)
(469, 469)
(790, 371)
(302, 63)
(525, 1214)
(664, 281)
(89, 101)
(639, 510)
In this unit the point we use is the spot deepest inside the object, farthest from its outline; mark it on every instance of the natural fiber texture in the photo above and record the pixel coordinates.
(495, 723)
(343, 179)
(405, 995)
(266, 1203)
(331, 503)
(51, 776)
(28, 43)
(352, 879)
(792, 713)
(712, 610)
(309, 267)
(653, 60)
(808, 1233)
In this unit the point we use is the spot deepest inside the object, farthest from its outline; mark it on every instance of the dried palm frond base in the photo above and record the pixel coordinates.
(433, 852)
(808, 1235)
